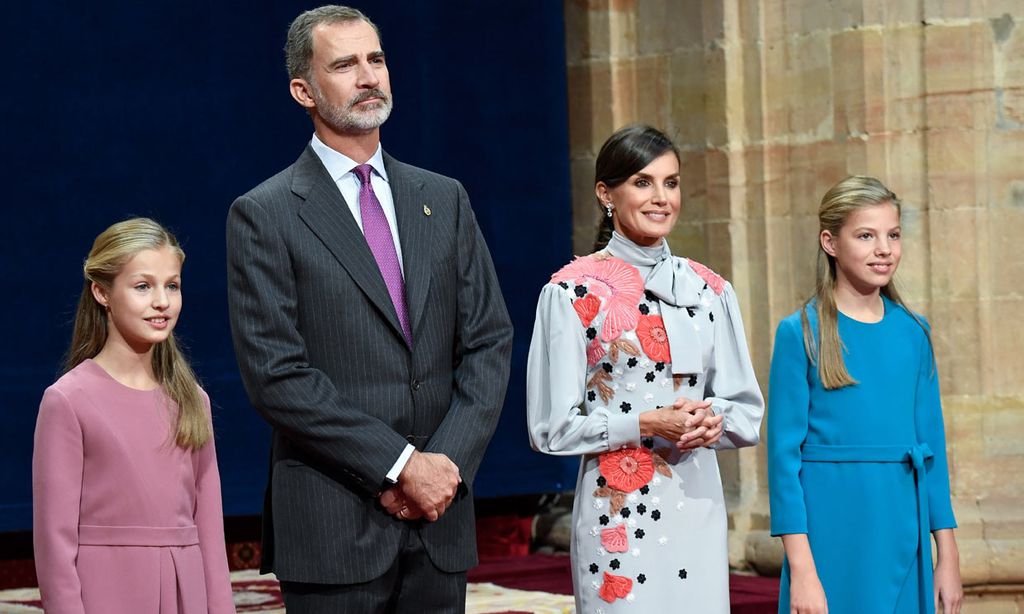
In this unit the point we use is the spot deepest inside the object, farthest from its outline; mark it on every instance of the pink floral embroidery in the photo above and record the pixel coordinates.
(595, 352)
(653, 339)
(712, 279)
(611, 279)
(615, 540)
(627, 469)
(587, 307)
(615, 587)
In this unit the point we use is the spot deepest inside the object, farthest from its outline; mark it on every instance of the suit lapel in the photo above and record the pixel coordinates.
(327, 215)
(414, 235)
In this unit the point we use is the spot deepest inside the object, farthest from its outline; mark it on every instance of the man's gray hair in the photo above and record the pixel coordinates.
(298, 50)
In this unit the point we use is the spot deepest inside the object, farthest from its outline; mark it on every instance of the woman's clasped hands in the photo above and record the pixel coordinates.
(691, 424)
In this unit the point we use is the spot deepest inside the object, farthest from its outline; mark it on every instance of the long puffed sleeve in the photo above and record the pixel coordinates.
(57, 461)
(788, 406)
(731, 385)
(930, 430)
(555, 382)
(209, 518)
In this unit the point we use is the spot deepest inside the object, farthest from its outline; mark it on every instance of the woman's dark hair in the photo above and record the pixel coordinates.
(625, 153)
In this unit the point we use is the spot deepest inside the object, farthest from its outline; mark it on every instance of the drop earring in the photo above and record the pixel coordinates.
(608, 209)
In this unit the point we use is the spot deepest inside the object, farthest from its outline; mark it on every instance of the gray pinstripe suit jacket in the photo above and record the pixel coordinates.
(323, 360)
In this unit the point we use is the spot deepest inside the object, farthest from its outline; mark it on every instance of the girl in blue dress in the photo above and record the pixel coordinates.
(856, 449)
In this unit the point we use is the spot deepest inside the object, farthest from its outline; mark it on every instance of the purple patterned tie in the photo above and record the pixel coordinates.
(378, 237)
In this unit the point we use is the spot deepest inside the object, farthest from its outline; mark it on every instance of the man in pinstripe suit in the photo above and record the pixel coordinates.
(371, 334)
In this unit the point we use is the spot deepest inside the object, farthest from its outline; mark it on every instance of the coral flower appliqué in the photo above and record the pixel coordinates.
(653, 338)
(615, 587)
(627, 469)
(587, 307)
(595, 352)
(618, 283)
(615, 540)
(712, 279)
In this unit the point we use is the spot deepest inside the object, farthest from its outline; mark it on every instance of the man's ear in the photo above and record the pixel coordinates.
(302, 92)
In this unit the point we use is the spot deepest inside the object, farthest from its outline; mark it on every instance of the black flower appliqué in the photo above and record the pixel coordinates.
(639, 534)
(580, 291)
(614, 564)
(625, 407)
(594, 568)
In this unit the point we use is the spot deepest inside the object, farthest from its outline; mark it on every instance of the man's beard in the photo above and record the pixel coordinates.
(346, 118)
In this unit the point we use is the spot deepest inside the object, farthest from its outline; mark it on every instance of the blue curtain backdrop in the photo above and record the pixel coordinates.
(172, 110)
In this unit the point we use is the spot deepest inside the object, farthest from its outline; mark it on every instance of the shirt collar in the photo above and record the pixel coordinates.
(338, 164)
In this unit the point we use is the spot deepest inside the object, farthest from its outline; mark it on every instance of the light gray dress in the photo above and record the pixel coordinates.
(617, 333)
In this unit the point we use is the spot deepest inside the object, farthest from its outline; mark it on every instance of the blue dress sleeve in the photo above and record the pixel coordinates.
(930, 430)
(788, 405)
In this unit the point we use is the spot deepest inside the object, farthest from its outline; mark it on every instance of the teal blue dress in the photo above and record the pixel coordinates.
(861, 470)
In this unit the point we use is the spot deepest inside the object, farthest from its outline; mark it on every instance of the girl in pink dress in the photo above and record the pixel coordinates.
(125, 489)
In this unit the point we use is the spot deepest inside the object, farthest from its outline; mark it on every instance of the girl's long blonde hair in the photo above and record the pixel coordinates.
(837, 205)
(114, 247)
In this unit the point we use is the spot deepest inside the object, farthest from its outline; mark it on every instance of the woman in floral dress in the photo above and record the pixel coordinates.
(639, 365)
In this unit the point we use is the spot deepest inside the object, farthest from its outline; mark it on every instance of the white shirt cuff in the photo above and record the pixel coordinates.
(403, 458)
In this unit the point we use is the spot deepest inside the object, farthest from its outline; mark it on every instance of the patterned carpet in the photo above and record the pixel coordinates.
(259, 594)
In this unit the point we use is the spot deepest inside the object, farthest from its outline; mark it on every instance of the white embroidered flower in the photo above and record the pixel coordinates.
(656, 481)
(598, 504)
(665, 383)
(632, 497)
(645, 363)
(648, 397)
(615, 386)
(617, 519)
(596, 586)
(618, 372)
(601, 551)
(680, 506)
(662, 540)
(631, 386)
(631, 597)
(595, 531)
(655, 500)
(635, 552)
(631, 522)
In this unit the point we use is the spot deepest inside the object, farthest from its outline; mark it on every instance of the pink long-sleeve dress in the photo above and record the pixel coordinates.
(125, 521)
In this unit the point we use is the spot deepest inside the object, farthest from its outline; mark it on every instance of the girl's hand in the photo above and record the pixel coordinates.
(806, 595)
(949, 589)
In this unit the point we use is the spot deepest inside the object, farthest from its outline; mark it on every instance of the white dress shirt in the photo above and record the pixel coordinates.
(339, 167)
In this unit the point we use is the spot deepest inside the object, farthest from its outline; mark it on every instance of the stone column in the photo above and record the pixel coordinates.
(773, 102)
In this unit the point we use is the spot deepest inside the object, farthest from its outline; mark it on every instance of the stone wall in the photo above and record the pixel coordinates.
(774, 101)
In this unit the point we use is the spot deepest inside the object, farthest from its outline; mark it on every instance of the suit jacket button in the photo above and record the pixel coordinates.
(415, 384)
(411, 439)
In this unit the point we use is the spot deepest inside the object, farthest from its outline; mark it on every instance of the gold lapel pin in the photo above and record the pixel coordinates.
(426, 210)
